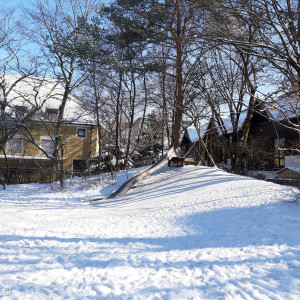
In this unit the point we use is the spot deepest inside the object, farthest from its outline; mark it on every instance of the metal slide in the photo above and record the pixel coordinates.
(130, 182)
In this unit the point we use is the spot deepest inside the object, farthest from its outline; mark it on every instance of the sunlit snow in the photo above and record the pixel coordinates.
(183, 233)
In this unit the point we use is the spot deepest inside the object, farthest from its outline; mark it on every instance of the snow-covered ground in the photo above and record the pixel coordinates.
(183, 233)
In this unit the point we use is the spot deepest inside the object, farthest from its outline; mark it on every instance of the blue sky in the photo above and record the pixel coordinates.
(13, 3)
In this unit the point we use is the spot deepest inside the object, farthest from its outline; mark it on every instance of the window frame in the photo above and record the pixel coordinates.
(81, 129)
(279, 143)
(52, 112)
(49, 138)
(8, 148)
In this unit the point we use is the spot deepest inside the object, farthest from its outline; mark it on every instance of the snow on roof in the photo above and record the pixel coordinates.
(203, 129)
(281, 108)
(192, 131)
(193, 134)
(45, 92)
(228, 124)
(24, 157)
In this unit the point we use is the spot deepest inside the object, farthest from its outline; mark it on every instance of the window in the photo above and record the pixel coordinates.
(47, 144)
(81, 132)
(52, 111)
(79, 165)
(14, 146)
(20, 110)
(279, 143)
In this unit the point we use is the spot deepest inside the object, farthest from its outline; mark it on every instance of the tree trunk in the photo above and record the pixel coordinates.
(245, 134)
(177, 36)
(98, 132)
(179, 100)
(117, 145)
(165, 113)
(59, 165)
(144, 114)
(132, 108)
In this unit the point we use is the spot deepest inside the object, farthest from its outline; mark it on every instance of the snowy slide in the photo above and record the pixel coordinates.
(128, 184)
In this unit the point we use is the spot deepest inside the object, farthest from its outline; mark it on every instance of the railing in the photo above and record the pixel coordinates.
(282, 181)
(19, 176)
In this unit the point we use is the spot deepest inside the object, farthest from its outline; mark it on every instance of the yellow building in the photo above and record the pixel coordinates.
(32, 145)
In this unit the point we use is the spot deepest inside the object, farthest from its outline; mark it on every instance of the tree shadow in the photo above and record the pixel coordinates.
(231, 227)
(170, 187)
(214, 240)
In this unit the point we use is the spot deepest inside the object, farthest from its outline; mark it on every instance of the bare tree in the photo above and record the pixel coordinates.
(277, 29)
(14, 72)
(57, 29)
(176, 24)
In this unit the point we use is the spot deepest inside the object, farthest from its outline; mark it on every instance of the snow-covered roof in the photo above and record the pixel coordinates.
(193, 134)
(278, 109)
(281, 108)
(46, 93)
(228, 124)
(24, 157)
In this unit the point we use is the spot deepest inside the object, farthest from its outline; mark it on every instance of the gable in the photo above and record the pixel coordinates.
(289, 173)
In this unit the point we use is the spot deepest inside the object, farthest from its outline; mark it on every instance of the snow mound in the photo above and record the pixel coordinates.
(183, 233)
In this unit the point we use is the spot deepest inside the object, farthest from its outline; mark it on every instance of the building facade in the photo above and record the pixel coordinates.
(29, 131)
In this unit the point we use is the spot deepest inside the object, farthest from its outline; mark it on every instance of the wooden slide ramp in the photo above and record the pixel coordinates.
(129, 183)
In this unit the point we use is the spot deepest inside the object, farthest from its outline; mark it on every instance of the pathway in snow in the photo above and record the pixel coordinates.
(188, 233)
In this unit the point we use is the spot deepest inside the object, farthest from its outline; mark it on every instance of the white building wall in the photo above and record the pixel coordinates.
(292, 161)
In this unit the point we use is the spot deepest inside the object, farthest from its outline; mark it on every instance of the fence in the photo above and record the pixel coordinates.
(290, 182)
(17, 176)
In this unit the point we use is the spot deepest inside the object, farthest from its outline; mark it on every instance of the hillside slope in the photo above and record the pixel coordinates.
(187, 233)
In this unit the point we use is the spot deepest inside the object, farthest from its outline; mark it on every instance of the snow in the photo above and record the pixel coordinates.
(183, 233)
(292, 161)
(33, 91)
(25, 157)
(193, 134)
(283, 108)
(228, 123)
(280, 108)
(265, 174)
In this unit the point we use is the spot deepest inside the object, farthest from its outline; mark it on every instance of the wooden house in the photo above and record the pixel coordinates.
(270, 139)
(220, 136)
(280, 137)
